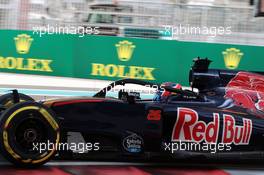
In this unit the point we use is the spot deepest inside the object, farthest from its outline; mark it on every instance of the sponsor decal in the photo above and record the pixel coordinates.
(154, 115)
(247, 90)
(121, 71)
(232, 57)
(23, 43)
(238, 135)
(125, 51)
(133, 143)
(188, 128)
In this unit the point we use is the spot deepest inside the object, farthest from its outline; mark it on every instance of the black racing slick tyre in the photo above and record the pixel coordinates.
(7, 99)
(29, 134)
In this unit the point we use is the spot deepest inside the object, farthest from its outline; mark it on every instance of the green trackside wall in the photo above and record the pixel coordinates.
(81, 57)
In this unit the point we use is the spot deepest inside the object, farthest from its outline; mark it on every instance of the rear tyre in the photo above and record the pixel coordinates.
(29, 134)
(7, 99)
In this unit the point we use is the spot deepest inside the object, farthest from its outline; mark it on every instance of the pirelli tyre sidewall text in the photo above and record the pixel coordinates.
(26, 124)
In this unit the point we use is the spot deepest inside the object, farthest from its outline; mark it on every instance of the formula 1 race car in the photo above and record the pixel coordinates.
(222, 114)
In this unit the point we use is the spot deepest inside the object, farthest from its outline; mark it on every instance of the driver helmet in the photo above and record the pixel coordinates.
(163, 94)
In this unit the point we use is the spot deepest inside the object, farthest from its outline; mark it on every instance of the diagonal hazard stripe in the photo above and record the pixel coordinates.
(105, 170)
(117, 170)
(132, 170)
(39, 171)
(177, 171)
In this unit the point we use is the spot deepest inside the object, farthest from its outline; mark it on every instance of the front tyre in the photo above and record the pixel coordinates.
(7, 99)
(29, 134)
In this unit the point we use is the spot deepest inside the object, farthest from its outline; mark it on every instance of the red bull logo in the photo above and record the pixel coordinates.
(188, 128)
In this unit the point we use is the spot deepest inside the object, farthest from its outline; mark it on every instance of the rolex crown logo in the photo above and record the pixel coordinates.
(125, 50)
(23, 43)
(232, 57)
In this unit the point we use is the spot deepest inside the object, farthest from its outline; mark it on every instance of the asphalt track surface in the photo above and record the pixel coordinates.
(122, 168)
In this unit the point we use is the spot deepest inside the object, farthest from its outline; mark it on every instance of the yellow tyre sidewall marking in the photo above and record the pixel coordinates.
(10, 103)
(50, 120)
(8, 148)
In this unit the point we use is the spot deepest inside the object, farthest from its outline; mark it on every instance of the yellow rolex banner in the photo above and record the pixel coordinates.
(112, 58)
(23, 52)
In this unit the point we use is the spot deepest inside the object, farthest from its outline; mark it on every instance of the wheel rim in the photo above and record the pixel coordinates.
(30, 131)
(23, 125)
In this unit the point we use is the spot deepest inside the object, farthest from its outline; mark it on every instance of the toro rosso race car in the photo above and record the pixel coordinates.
(224, 112)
